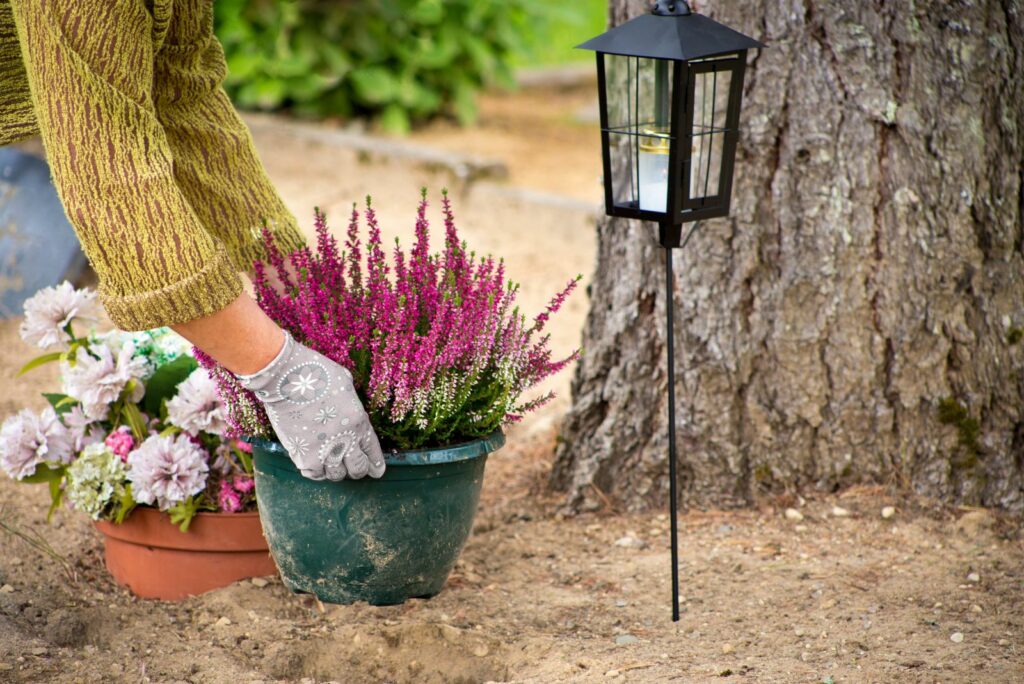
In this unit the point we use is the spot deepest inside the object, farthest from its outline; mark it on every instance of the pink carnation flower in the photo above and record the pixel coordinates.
(243, 446)
(121, 442)
(228, 498)
(243, 484)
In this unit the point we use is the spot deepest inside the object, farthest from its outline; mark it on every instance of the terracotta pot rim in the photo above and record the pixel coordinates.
(213, 532)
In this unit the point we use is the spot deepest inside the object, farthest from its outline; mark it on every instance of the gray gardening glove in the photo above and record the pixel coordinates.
(316, 413)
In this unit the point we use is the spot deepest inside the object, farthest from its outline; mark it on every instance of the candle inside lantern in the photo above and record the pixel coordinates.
(654, 154)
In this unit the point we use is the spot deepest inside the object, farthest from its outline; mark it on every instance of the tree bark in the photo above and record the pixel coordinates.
(858, 318)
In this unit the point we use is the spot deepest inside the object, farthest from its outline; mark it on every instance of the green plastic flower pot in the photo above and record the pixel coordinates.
(381, 541)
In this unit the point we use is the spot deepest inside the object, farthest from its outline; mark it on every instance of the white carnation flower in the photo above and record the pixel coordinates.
(196, 407)
(223, 461)
(100, 375)
(167, 470)
(84, 431)
(60, 442)
(94, 480)
(27, 440)
(49, 311)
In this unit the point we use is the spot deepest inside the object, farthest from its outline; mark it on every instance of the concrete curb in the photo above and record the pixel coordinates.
(465, 168)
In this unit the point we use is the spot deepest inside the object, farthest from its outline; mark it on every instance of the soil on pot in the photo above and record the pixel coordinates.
(536, 598)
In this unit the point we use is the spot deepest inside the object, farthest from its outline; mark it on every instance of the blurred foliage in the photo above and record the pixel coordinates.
(557, 38)
(397, 60)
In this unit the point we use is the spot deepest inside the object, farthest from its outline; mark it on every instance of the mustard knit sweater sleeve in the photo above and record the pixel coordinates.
(157, 173)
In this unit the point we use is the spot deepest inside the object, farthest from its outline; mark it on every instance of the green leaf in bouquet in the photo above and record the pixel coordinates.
(45, 474)
(40, 361)
(164, 383)
(125, 505)
(170, 431)
(243, 458)
(182, 514)
(56, 496)
(133, 417)
(61, 403)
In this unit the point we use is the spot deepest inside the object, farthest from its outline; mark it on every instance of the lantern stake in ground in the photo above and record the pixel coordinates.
(670, 85)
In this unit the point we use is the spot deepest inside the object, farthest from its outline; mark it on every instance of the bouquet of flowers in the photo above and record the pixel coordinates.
(137, 422)
(438, 350)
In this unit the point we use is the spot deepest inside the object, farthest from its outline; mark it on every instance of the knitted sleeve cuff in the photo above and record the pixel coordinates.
(287, 239)
(200, 294)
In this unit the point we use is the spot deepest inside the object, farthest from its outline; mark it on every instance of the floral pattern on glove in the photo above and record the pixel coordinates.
(316, 413)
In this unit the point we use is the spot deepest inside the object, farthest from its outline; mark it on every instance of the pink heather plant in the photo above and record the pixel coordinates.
(438, 350)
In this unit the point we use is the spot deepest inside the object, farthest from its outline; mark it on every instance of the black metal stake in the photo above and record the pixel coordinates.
(672, 455)
(673, 502)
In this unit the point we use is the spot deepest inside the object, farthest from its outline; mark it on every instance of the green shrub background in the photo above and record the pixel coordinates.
(398, 61)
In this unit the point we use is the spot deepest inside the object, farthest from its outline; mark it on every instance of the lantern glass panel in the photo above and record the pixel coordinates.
(710, 86)
(639, 117)
(711, 98)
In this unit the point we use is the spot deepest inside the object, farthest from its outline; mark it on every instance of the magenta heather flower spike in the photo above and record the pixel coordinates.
(437, 347)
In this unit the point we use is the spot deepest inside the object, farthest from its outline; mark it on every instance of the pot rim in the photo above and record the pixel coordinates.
(209, 531)
(466, 451)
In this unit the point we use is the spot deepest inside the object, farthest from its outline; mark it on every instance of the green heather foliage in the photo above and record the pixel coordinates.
(398, 60)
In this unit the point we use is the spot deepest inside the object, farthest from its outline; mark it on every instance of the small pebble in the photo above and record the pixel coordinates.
(621, 603)
(625, 639)
(611, 673)
(888, 512)
(976, 608)
(728, 648)
(957, 637)
(631, 542)
(974, 577)
(793, 514)
(481, 650)
(7, 589)
(840, 512)
(259, 582)
(38, 651)
(1004, 642)
(223, 622)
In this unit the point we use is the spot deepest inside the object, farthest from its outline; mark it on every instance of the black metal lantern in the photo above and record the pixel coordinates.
(669, 136)
(668, 139)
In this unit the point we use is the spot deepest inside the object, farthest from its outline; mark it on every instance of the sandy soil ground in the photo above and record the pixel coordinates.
(930, 594)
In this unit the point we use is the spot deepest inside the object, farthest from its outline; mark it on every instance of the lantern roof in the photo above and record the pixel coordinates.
(681, 36)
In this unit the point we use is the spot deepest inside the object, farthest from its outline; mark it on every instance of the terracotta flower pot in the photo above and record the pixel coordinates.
(154, 559)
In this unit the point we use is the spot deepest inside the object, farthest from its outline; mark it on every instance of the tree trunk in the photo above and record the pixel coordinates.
(859, 316)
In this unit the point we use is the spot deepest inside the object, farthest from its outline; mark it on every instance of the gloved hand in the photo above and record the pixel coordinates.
(316, 413)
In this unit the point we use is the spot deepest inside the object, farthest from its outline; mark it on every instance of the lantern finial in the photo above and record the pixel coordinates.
(671, 8)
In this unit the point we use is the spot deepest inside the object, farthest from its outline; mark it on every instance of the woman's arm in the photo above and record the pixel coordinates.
(90, 70)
